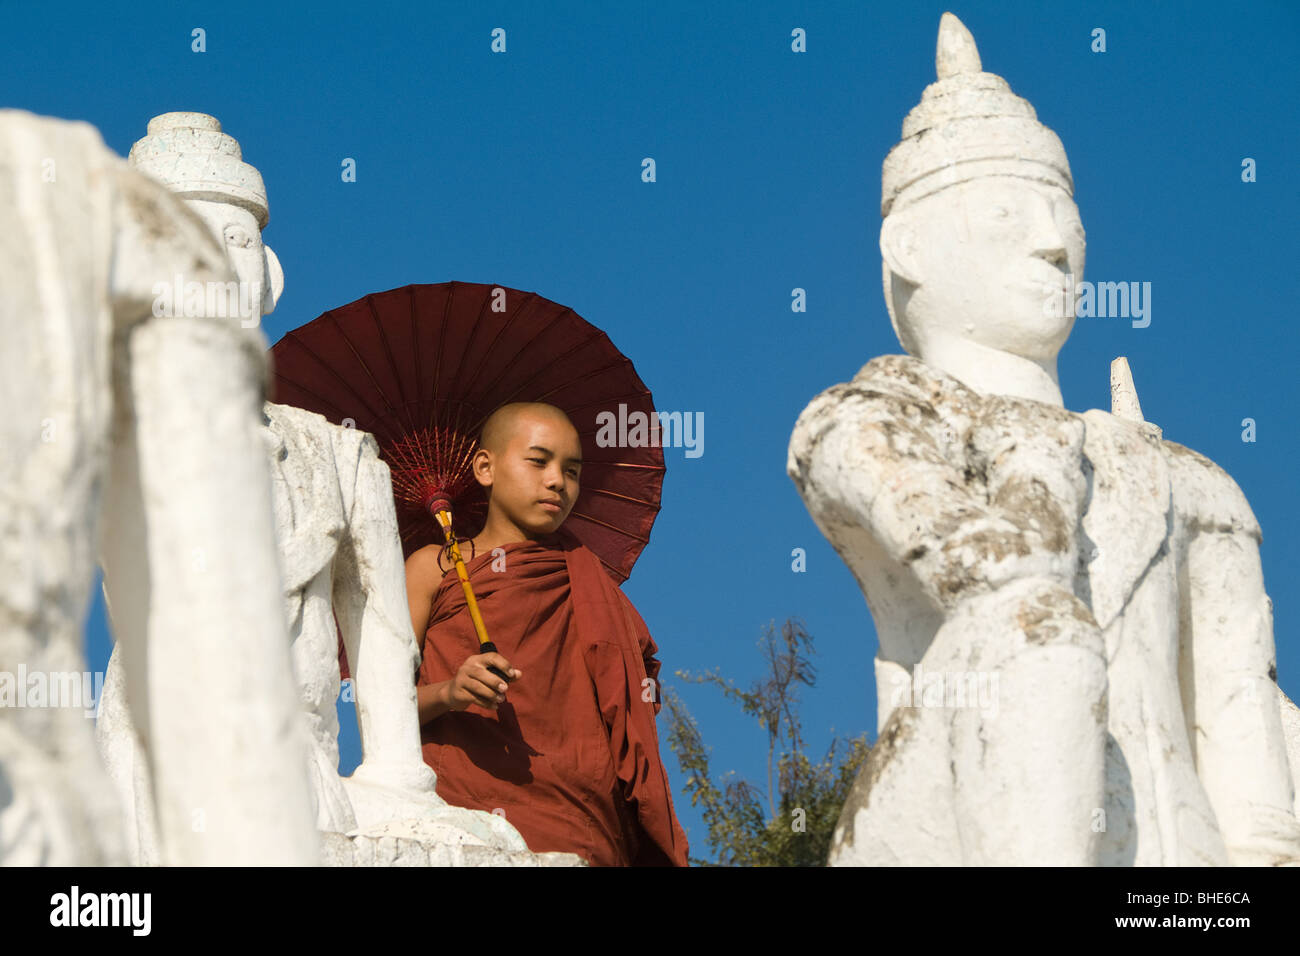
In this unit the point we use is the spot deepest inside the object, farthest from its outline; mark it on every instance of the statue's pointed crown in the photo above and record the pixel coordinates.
(968, 124)
(189, 154)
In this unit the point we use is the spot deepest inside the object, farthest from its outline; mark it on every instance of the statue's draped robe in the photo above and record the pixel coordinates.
(572, 757)
(314, 470)
(1150, 506)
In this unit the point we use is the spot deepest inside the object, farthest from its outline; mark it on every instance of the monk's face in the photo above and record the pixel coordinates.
(534, 478)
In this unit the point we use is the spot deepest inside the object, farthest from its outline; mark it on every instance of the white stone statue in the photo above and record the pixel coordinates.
(131, 435)
(1076, 661)
(340, 555)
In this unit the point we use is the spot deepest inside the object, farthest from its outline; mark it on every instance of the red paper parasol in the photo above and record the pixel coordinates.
(422, 367)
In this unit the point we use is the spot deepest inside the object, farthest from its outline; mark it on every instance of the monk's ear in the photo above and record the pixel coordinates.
(898, 247)
(481, 464)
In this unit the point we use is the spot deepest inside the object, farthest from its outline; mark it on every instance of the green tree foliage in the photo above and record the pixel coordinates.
(795, 827)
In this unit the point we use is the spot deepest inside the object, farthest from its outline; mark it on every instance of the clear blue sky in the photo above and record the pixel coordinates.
(524, 169)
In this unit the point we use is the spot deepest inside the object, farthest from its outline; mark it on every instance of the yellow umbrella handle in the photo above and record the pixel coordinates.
(485, 644)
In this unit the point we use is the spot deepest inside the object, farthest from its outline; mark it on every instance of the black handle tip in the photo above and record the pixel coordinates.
(487, 647)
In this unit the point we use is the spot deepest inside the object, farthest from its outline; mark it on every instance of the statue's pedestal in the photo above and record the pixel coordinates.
(423, 842)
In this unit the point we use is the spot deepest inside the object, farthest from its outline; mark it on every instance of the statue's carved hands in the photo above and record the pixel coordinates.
(966, 491)
(404, 777)
(1028, 459)
(387, 791)
(985, 553)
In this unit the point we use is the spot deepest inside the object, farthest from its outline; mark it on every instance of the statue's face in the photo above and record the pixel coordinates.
(991, 257)
(237, 229)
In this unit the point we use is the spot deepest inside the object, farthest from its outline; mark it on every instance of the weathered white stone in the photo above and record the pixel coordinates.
(1290, 715)
(433, 846)
(134, 435)
(1102, 585)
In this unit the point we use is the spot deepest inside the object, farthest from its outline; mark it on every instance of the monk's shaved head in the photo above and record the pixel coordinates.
(503, 422)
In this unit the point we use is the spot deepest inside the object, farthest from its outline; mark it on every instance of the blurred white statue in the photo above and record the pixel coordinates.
(133, 431)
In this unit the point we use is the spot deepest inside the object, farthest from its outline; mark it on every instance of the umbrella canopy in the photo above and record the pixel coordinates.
(423, 366)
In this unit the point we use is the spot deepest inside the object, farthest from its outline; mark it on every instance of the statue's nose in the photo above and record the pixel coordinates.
(1050, 247)
(1056, 255)
(1049, 243)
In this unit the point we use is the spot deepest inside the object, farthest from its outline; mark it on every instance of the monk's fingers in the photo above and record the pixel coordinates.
(501, 664)
(484, 689)
(482, 671)
(485, 677)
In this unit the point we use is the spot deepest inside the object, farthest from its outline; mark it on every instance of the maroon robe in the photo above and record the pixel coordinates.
(572, 757)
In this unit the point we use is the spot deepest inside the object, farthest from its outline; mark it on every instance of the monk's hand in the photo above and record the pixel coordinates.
(475, 684)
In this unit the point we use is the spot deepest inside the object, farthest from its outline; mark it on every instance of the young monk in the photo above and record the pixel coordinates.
(567, 749)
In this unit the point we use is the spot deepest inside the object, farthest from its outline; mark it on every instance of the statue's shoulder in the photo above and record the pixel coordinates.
(1205, 494)
(346, 443)
(904, 375)
(893, 385)
(893, 395)
(908, 378)
(291, 416)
